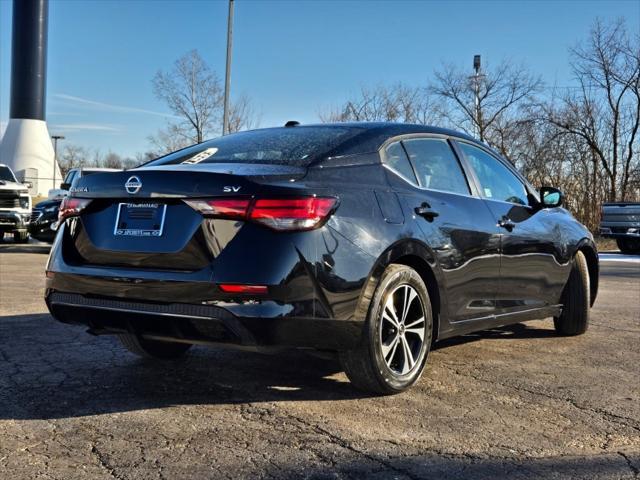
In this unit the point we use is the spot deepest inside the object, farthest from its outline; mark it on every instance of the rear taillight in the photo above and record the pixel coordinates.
(72, 207)
(292, 213)
(286, 213)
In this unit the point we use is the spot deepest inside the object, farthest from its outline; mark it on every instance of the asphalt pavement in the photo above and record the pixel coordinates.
(516, 402)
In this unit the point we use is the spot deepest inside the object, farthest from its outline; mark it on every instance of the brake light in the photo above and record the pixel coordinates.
(72, 207)
(286, 213)
(292, 213)
(237, 288)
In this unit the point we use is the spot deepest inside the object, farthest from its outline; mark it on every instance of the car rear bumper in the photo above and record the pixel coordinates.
(306, 303)
(254, 325)
(617, 231)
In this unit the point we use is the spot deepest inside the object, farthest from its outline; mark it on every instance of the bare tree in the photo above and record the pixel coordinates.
(395, 103)
(73, 156)
(502, 94)
(242, 115)
(193, 93)
(144, 157)
(583, 140)
(112, 160)
(169, 139)
(604, 112)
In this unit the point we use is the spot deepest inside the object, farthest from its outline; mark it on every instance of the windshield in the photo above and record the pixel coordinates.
(297, 146)
(6, 174)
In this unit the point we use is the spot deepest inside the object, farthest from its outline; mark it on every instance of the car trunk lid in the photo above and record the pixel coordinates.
(138, 218)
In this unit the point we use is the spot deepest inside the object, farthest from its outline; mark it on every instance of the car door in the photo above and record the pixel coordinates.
(531, 269)
(455, 224)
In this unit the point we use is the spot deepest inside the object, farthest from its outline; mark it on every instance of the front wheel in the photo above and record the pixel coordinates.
(576, 300)
(628, 245)
(397, 336)
(153, 348)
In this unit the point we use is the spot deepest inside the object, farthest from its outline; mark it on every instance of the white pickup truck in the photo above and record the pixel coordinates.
(15, 206)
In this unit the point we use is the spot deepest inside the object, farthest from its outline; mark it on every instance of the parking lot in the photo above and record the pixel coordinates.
(516, 402)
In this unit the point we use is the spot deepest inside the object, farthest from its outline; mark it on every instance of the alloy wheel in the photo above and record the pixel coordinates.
(402, 329)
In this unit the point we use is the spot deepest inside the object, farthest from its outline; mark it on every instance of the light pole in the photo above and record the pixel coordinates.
(55, 155)
(227, 77)
(476, 90)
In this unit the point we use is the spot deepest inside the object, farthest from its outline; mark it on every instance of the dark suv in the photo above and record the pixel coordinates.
(370, 240)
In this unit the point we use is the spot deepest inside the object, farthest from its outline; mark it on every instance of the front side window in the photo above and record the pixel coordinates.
(436, 165)
(497, 182)
(396, 158)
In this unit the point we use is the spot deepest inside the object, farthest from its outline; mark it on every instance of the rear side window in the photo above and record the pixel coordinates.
(396, 158)
(298, 146)
(497, 182)
(436, 165)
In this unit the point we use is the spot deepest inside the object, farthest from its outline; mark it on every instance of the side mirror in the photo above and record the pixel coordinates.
(65, 186)
(28, 184)
(550, 197)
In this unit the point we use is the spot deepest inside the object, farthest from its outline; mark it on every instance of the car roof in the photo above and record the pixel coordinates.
(366, 138)
(374, 134)
(384, 128)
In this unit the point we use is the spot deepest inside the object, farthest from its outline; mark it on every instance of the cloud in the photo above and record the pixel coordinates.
(76, 127)
(109, 106)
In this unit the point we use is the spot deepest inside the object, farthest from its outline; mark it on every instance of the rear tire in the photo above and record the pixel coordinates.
(20, 237)
(576, 301)
(397, 335)
(153, 348)
(628, 245)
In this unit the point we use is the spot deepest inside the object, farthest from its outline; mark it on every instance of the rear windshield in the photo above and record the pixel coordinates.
(6, 174)
(298, 146)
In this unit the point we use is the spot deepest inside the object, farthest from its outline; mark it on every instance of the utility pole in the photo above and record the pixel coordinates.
(55, 155)
(227, 77)
(476, 88)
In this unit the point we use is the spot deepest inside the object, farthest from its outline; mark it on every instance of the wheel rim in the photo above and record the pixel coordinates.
(402, 329)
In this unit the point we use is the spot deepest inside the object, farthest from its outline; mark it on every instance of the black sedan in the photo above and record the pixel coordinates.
(370, 240)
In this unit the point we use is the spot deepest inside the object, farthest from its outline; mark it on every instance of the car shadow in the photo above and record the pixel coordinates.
(50, 370)
(508, 332)
(458, 467)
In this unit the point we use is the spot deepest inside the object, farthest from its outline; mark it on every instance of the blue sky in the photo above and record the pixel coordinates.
(292, 58)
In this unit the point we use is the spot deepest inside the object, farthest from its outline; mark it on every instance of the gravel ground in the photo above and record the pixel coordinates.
(515, 402)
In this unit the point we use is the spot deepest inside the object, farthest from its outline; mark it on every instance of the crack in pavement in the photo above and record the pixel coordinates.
(104, 463)
(632, 467)
(608, 416)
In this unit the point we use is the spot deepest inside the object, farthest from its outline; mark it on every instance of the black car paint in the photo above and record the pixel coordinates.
(321, 281)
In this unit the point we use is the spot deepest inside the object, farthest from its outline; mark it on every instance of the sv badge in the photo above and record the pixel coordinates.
(231, 189)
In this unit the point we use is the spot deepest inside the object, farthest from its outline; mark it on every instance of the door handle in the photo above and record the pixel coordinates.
(425, 211)
(506, 223)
